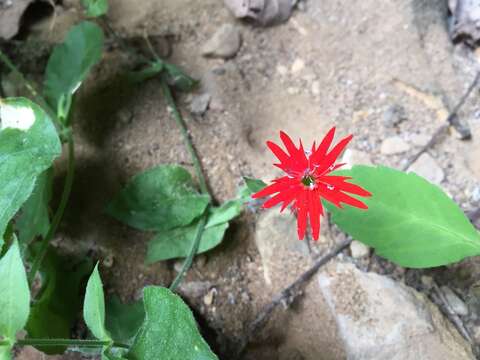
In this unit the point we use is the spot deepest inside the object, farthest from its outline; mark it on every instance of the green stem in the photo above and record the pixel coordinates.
(193, 250)
(186, 137)
(200, 176)
(67, 189)
(4, 342)
(70, 342)
(30, 87)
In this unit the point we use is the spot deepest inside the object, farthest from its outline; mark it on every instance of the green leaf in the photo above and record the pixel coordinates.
(70, 64)
(169, 331)
(228, 211)
(177, 78)
(409, 220)
(5, 353)
(160, 198)
(95, 8)
(177, 243)
(34, 219)
(28, 145)
(94, 306)
(124, 320)
(149, 72)
(54, 313)
(254, 185)
(251, 187)
(15, 294)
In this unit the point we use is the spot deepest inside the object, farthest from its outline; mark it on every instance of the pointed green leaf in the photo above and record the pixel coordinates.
(55, 311)
(124, 320)
(251, 187)
(177, 243)
(94, 306)
(15, 294)
(28, 145)
(34, 219)
(169, 331)
(409, 220)
(254, 185)
(160, 198)
(178, 78)
(5, 353)
(95, 8)
(228, 211)
(152, 70)
(70, 63)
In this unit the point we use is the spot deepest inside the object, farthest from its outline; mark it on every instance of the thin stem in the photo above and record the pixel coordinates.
(30, 87)
(70, 342)
(193, 250)
(186, 136)
(4, 342)
(67, 189)
(200, 176)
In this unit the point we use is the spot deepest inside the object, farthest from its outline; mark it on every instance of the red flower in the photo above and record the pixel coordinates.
(308, 180)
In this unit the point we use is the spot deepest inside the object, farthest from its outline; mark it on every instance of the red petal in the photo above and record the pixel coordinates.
(333, 155)
(279, 153)
(287, 141)
(301, 215)
(340, 183)
(280, 184)
(315, 211)
(322, 149)
(336, 197)
(287, 195)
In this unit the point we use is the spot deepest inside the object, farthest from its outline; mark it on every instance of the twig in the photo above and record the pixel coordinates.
(452, 120)
(473, 216)
(288, 294)
(452, 316)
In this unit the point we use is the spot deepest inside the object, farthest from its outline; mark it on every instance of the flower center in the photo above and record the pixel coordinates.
(308, 180)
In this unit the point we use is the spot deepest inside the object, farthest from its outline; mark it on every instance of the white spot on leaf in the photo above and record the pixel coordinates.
(16, 117)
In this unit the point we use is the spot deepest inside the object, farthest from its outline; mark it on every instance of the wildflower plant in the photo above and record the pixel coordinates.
(402, 216)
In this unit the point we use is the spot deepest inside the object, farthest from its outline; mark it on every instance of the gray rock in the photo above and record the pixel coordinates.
(394, 115)
(419, 139)
(355, 157)
(194, 289)
(359, 250)
(199, 104)
(394, 145)
(262, 12)
(276, 239)
(379, 318)
(225, 43)
(465, 21)
(427, 167)
(457, 304)
(10, 15)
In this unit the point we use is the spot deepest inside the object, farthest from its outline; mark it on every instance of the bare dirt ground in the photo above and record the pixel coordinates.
(336, 63)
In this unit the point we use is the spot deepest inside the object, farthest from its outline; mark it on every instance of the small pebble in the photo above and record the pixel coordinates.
(297, 66)
(427, 167)
(457, 304)
(224, 44)
(394, 145)
(394, 115)
(316, 88)
(359, 250)
(210, 297)
(199, 104)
